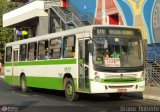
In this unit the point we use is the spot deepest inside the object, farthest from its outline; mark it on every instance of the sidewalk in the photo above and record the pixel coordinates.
(152, 93)
(2, 72)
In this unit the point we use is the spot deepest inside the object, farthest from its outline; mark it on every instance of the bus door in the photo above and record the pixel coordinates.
(83, 64)
(15, 78)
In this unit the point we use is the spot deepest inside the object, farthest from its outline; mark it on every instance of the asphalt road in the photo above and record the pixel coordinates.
(42, 100)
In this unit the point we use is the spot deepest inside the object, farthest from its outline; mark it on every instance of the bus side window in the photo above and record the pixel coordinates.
(55, 48)
(8, 54)
(15, 57)
(23, 52)
(43, 50)
(69, 46)
(32, 51)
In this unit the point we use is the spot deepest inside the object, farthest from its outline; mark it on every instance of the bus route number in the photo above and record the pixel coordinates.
(101, 31)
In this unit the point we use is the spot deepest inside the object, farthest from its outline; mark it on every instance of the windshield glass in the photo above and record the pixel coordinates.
(117, 52)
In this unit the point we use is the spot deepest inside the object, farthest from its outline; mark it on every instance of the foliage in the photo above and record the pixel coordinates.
(6, 34)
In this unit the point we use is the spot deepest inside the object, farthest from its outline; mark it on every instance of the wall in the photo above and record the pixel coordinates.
(156, 22)
(138, 13)
(42, 27)
(143, 14)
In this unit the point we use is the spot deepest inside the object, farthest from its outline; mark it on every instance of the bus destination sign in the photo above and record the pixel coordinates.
(115, 32)
(122, 32)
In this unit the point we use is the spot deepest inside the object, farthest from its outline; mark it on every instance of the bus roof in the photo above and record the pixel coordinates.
(62, 34)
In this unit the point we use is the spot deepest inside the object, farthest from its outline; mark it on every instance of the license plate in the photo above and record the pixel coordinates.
(122, 90)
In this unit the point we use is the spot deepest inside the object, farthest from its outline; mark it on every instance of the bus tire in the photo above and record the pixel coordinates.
(70, 93)
(115, 96)
(23, 84)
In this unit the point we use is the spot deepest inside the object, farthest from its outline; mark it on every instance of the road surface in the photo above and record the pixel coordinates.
(42, 100)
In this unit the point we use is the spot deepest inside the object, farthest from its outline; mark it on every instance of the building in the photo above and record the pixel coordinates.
(39, 17)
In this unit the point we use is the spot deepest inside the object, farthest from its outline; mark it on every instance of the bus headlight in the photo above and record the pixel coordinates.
(97, 78)
(143, 76)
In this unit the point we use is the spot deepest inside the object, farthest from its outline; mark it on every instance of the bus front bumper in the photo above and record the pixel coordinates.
(97, 87)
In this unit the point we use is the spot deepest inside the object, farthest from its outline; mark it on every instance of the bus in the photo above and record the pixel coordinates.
(92, 59)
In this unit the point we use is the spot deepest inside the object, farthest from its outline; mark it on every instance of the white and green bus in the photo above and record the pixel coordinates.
(92, 59)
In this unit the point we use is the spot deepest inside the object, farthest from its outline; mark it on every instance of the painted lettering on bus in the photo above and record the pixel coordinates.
(67, 69)
(8, 70)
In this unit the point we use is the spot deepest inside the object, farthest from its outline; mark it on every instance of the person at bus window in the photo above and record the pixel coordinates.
(115, 54)
(99, 58)
(47, 54)
(106, 56)
(73, 51)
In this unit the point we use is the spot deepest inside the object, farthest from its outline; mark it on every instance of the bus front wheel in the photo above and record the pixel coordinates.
(23, 84)
(70, 93)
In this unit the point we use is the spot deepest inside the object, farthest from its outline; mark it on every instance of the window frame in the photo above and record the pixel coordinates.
(44, 49)
(7, 55)
(61, 49)
(69, 46)
(35, 51)
(26, 52)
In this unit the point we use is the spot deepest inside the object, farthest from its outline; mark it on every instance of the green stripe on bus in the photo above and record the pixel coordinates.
(8, 79)
(45, 82)
(118, 80)
(39, 82)
(43, 62)
(121, 80)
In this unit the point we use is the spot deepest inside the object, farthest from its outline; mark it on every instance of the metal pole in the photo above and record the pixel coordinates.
(15, 36)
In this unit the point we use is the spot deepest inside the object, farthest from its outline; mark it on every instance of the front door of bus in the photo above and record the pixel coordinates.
(15, 78)
(83, 64)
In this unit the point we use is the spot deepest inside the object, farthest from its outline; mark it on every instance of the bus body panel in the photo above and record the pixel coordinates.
(114, 82)
(43, 76)
(97, 87)
(49, 74)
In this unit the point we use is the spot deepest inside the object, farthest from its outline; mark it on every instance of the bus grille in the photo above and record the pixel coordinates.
(126, 86)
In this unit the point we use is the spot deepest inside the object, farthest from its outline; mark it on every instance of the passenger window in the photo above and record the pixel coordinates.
(8, 54)
(15, 55)
(55, 48)
(23, 52)
(69, 46)
(43, 50)
(32, 51)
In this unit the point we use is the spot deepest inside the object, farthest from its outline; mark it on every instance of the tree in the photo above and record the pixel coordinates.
(6, 34)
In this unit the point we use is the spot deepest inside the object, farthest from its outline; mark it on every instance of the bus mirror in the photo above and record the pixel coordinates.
(90, 47)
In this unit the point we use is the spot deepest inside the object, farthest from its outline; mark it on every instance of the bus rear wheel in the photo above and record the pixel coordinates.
(23, 84)
(115, 96)
(70, 93)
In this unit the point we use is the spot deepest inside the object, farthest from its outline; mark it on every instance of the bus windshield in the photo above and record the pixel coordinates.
(117, 52)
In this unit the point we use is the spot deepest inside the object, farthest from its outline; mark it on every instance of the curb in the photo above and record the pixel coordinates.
(143, 96)
(157, 98)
